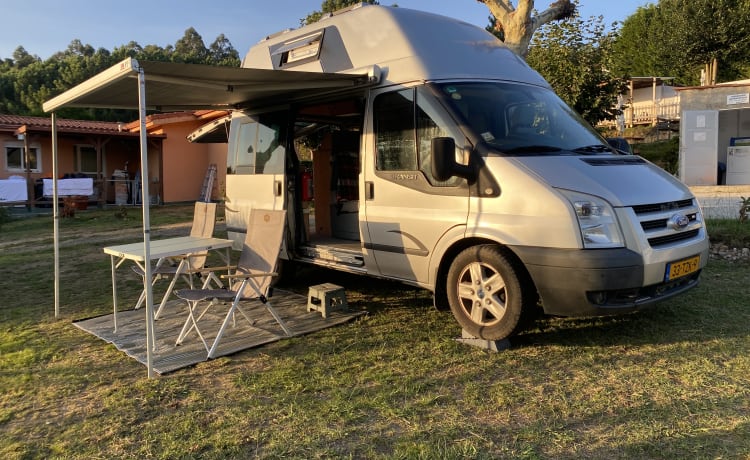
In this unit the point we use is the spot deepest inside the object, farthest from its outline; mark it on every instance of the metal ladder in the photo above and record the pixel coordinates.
(208, 183)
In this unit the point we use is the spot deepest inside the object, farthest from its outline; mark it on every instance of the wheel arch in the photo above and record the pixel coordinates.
(440, 295)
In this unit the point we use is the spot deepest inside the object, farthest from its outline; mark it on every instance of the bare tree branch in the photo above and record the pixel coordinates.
(500, 9)
(518, 25)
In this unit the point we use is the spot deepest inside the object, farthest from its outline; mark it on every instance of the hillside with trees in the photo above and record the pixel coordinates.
(677, 38)
(26, 81)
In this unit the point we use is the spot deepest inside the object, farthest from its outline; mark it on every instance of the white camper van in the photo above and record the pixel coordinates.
(457, 169)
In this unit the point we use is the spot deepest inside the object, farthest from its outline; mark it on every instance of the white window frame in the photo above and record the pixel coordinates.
(77, 165)
(20, 145)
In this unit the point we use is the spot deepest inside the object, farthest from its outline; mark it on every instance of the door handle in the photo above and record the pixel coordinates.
(277, 188)
(369, 190)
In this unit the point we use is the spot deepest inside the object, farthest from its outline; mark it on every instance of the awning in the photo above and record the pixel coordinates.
(169, 86)
(174, 86)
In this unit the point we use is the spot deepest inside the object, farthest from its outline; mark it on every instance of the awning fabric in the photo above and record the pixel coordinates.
(174, 86)
(169, 86)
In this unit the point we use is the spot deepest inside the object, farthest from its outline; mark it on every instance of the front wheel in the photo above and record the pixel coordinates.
(489, 293)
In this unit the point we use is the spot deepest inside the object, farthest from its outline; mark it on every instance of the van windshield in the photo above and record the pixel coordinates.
(518, 119)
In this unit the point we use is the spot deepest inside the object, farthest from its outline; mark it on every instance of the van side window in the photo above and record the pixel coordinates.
(405, 124)
(270, 156)
(244, 152)
(394, 130)
(256, 150)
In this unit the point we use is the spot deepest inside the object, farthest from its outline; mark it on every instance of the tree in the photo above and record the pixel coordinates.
(21, 58)
(190, 48)
(221, 52)
(329, 6)
(26, 81)
(575, 57)
(516, 25)
(677, 38)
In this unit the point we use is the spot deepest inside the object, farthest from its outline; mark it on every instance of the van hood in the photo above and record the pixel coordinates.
(622, 180)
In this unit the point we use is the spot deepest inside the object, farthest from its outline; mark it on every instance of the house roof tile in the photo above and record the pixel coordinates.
(19, 123)
(15, 122)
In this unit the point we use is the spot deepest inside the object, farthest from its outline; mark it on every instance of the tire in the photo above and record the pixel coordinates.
(490, 294)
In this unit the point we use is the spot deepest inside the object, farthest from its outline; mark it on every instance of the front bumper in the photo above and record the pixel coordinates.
(573, 282)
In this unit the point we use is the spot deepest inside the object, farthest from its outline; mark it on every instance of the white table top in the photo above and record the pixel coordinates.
(169, 247)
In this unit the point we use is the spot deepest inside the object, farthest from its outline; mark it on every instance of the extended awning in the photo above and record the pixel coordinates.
(172, 86)
(169, 86)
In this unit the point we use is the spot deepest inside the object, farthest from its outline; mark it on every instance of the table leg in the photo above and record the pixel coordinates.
(114, 291)
(150, 331)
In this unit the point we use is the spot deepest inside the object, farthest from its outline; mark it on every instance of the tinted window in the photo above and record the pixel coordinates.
(406, 121)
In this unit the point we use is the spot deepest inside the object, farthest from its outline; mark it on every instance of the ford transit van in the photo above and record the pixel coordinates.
(457, 169)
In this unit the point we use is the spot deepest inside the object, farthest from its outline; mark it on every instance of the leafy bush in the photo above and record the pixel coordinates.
(662, 153)
(730, 232)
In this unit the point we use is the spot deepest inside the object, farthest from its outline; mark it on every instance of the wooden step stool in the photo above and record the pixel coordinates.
(326, 298)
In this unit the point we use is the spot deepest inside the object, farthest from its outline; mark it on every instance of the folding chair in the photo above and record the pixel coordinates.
(204, 218)
(251, 279)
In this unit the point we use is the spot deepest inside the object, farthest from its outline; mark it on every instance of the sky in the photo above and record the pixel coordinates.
(44, 27)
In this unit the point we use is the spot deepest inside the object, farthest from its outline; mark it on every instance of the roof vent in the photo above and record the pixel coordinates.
(298, 50)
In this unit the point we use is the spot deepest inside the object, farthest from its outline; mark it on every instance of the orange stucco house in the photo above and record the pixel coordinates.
(180, 173)
(109, 154)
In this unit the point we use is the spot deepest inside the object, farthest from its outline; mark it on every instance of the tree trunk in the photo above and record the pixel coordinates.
(517, 23)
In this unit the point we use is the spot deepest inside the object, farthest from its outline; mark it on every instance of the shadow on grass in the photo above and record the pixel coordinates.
(713, 310)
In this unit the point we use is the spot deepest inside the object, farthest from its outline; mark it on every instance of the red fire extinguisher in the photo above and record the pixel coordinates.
(307, 186)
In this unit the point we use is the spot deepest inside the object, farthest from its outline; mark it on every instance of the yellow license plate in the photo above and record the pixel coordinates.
(682, 267)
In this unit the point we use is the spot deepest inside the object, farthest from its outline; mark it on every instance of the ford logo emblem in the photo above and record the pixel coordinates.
(679, 221)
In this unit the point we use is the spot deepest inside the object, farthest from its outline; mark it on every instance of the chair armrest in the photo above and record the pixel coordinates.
(248, 275)
(215, 269)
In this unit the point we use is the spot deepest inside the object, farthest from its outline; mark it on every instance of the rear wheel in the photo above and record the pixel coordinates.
(490, 294)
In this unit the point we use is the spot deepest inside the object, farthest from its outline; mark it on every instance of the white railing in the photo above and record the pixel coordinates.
(645, 113)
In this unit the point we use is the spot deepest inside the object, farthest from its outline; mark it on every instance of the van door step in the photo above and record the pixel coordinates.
(332, 255)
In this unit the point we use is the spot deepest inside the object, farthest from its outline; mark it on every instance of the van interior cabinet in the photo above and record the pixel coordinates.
(322, 189)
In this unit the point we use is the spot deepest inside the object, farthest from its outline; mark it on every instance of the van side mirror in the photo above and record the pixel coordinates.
(444, 165)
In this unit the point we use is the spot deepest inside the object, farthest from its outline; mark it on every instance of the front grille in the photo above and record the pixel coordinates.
(673, 238)
(653, 224)
(663, 207)
(655, 221)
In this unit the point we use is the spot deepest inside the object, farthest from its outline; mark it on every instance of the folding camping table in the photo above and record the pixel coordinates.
(162, 250)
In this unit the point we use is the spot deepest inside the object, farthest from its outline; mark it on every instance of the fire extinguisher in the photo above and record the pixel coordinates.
(307, 186)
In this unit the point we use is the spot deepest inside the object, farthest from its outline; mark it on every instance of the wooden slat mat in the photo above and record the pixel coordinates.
(131, 331)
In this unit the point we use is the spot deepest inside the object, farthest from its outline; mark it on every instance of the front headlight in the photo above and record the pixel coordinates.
(596, 219)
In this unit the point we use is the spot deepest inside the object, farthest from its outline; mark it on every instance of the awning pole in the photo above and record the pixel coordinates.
(150, 342)
(56, 215)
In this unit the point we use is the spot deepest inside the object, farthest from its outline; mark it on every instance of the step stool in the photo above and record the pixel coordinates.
(326, 298)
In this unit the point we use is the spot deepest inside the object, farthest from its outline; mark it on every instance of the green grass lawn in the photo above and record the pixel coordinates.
(672, 382)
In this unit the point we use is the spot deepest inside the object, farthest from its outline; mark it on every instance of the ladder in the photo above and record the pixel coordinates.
(208, 184)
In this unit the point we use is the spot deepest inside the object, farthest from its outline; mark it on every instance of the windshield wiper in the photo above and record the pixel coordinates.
(596, 148)
(533, 149)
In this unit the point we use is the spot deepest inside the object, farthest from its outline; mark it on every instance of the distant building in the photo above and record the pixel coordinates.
(109, 154)
(648, 101)
(651, 101)
(715, 134)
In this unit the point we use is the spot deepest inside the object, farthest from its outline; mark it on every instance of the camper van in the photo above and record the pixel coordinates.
(457, 169)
